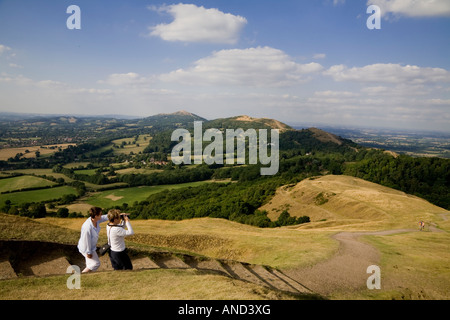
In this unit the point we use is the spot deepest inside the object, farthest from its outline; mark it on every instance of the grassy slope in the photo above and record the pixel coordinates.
(348, 203)
(148, 284)
(36, 195)
(223, 239)
(110, 198)
(414, 264)
(22, 182)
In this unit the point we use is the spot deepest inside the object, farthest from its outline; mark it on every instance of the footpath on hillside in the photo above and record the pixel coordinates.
(347, 269)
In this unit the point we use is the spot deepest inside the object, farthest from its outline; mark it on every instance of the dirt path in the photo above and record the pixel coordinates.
(347, 269)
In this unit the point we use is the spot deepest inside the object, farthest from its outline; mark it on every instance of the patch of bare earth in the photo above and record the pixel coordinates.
(347, 269)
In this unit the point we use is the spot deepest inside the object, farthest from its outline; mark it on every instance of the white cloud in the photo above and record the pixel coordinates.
(334, 94)
(50, 84)
(319, 56)
(14, 65)
(338, 2)
(413, 8)
(198, 24)
(93, 91)
(7, 52)
(445, 102)
(260, 67)
(397, 90)
(389, 73)
(123, 79)
(16, 80)
(4, 48)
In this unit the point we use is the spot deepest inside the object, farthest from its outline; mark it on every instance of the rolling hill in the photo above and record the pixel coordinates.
(246, 122)
(310, 183)
(333, 201)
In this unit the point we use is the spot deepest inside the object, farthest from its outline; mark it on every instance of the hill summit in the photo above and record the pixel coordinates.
(325, 136)
(247, 122)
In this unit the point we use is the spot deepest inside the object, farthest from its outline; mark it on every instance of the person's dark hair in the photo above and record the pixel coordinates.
(95, 211)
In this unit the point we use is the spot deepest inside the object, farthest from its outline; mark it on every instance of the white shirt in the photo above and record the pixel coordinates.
(117, 234)
(89, 235)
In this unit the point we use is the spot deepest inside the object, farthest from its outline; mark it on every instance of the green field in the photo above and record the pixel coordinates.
(117, 197)
(50, 173)
(22, 182)
(41, 172)
(36, 195)
(89, 172)
(130, 145)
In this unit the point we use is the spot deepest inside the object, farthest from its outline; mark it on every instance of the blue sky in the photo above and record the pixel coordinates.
(312, 62)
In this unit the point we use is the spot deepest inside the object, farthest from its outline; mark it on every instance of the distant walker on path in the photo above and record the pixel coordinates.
(422, 225)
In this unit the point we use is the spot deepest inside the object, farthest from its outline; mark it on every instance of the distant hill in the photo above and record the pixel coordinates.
(326, 136)
(337, 201)
(314, 139)
(62, 128)
(176, 119)
(15, 116)
(245, 122)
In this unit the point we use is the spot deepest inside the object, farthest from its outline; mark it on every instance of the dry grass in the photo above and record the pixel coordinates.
(158, 284)
(7, 153)
(413, 266)
(223, 239)
(348, 203)
(20, 228)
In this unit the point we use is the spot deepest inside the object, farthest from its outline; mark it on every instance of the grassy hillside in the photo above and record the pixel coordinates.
(160, 284)
(211, 235)
(17, 198)
(222, 239)
(118, 197)
(23, 182)
(414, 264)
(245, 122)
(343, 202)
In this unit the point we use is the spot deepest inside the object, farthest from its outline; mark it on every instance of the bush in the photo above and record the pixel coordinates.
(62, 213)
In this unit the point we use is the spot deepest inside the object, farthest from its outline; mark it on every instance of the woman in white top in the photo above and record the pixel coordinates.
(116, 238)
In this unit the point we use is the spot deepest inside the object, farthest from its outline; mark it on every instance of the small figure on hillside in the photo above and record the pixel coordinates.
(87, 245)
(421, 225)
(116, 239)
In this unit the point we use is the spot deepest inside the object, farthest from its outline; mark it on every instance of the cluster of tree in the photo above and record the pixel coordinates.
(305, 142)
(161, 142)
(64, 213)
(233, 201)
(37, 210)
(97, 178)
(172, 175)
(31, 210)
(428, 178)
